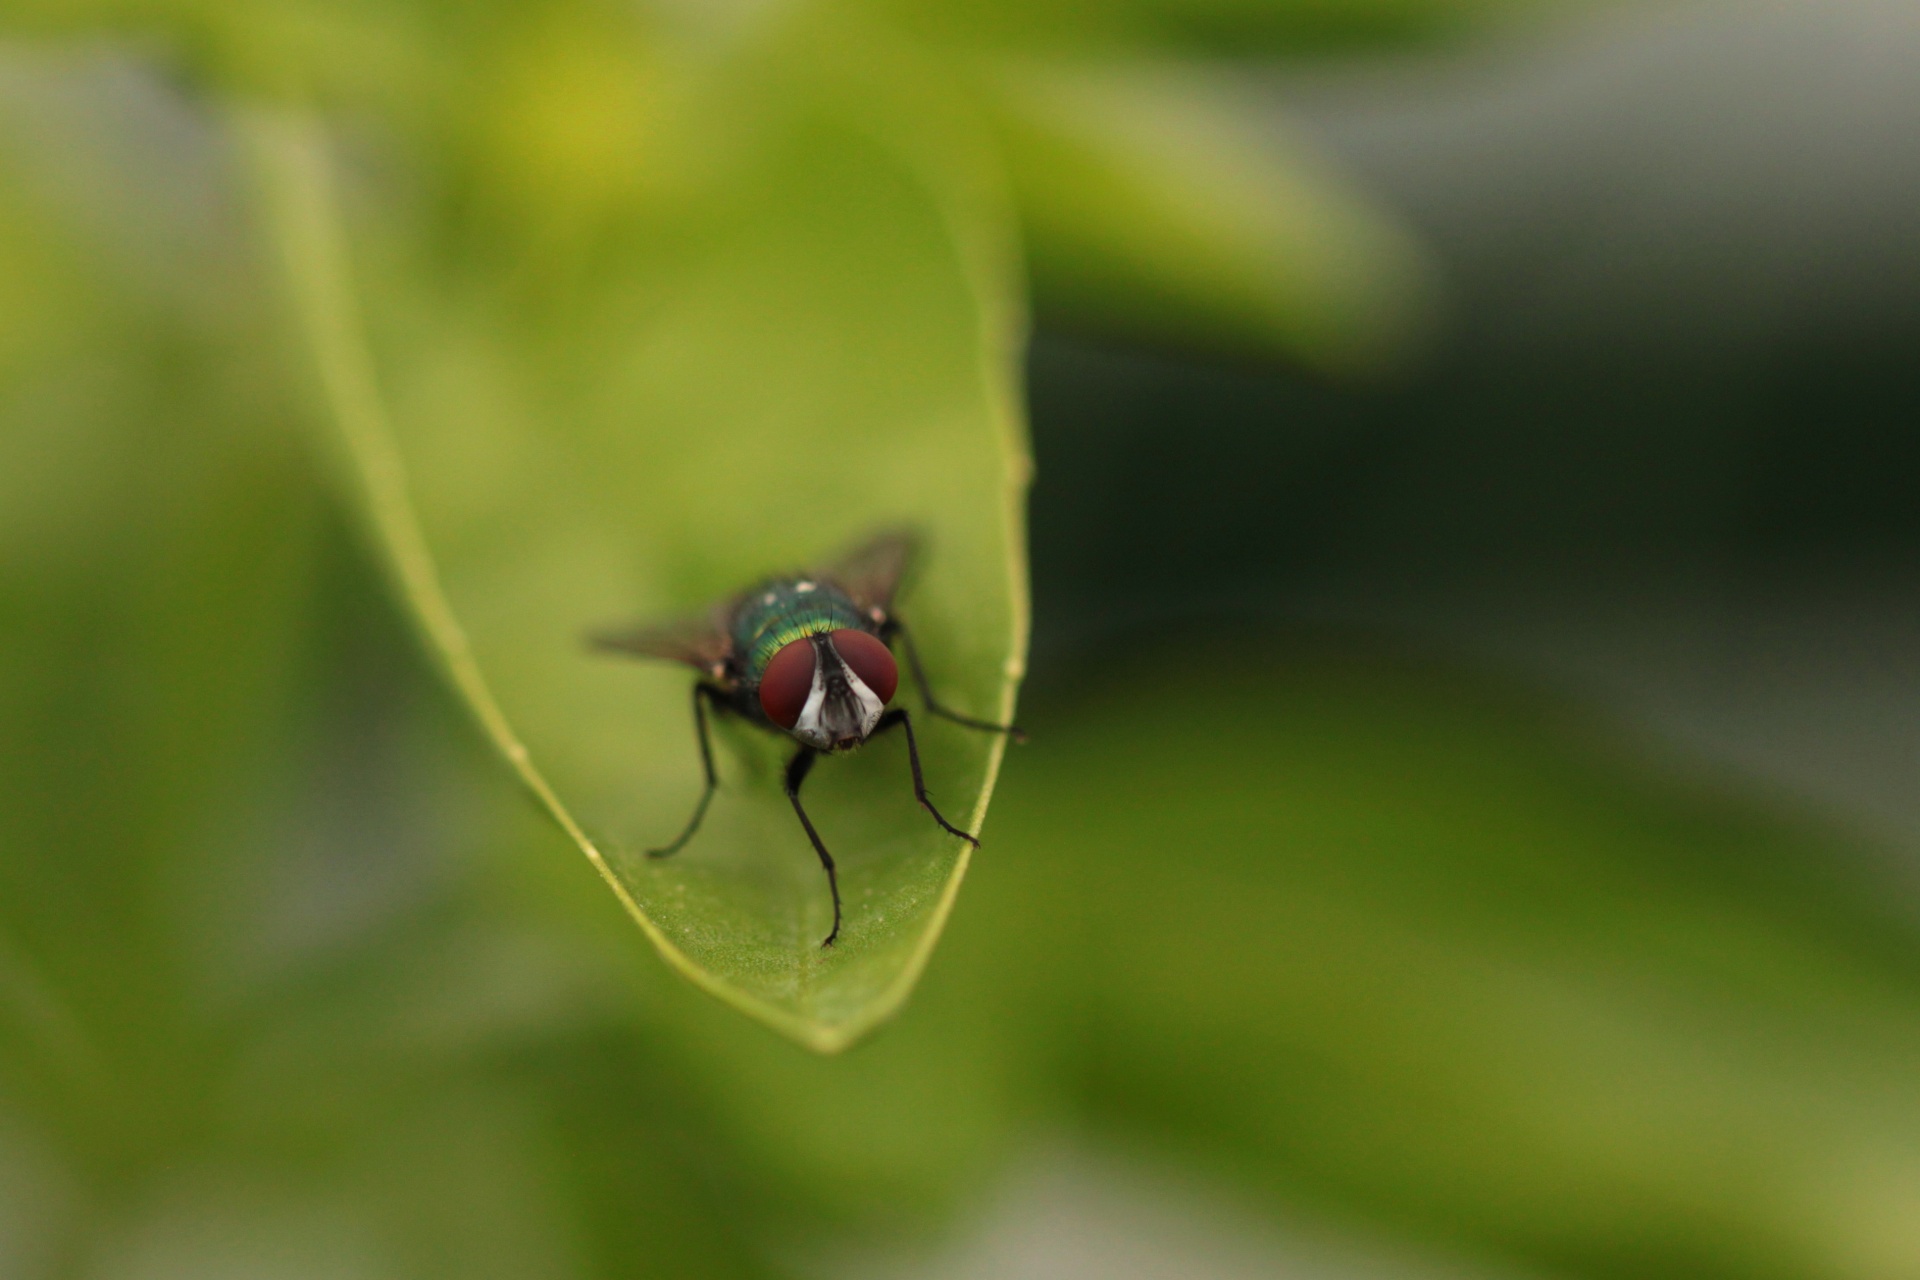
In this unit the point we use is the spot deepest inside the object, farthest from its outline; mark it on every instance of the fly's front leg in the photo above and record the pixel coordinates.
(898, 716)
(702, 694)
(895, 627)
(797, 770)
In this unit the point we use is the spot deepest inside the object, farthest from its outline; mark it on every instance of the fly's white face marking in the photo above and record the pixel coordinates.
(869, 702)
(807, 728)
(824, 725)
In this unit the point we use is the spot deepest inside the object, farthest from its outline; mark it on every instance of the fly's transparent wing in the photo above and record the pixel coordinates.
(701, 642)
(870, 573)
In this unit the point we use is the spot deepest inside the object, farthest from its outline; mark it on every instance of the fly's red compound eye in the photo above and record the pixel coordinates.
(870, 661)
(787, 682)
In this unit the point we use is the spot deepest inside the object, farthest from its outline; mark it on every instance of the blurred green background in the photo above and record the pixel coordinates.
(1469, 828)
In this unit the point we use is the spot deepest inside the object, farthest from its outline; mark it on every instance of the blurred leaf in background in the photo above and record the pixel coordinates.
(1153, 208)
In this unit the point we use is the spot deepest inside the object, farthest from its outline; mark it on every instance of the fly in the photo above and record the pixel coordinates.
(807, 655)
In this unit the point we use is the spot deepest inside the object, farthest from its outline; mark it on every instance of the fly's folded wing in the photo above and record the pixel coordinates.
(870, 573)
(701, 642)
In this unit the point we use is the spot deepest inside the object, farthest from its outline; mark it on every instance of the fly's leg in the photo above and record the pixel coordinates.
(895, 627)
(797, 770)
(898, 716)
(702, 694)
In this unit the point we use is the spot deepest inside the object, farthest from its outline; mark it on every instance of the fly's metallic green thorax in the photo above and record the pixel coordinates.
(776, 613)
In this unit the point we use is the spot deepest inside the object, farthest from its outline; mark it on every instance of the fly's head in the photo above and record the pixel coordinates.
(829, 689)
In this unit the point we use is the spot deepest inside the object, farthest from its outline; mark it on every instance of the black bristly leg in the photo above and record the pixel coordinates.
(898, 716)
(895, 627)
(702, 694)
(797, 769)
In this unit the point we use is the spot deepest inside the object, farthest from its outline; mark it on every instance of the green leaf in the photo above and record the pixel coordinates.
(553, 428)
